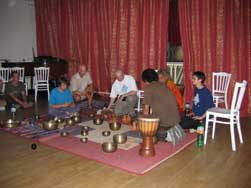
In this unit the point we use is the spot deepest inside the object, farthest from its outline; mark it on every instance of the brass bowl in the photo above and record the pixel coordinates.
(11, 123)
(114, 126)
(109, 147)
(98, 121)
(50, 125)
(106, 133)
(119, 138)
(74, 114)
(58, 119)
(86, 128)
(91, 115)
(63, 134)
(76, 119)
(84, 140)
(84, 132)
(70, 122)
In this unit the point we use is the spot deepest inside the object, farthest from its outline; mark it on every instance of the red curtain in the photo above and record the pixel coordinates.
(173, 23)
(216, 36)
(104, 34)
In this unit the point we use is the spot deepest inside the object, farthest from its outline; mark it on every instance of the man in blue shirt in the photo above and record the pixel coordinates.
(61, 101)
(202, 101)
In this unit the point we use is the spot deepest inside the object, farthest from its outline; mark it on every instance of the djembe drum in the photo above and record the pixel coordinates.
(148, 127)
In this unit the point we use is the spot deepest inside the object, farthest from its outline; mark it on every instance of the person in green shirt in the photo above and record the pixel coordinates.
(15, 91)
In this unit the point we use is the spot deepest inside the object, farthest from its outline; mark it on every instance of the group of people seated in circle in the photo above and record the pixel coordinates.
(162, 99)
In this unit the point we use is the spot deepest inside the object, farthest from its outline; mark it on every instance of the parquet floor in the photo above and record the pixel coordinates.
(214, 166)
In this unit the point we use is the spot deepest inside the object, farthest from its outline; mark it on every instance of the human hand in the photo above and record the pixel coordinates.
(191, 114)
(197, 117)
(26, 105)
(67, 104)
(121, 98)
(72, 105)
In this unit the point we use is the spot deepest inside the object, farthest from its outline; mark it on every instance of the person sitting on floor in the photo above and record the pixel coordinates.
(123, 94)
(202, 101)
(163, 105)
(81, 85)
(15, 92)
(164, 77)
(61, 102)
(2, 100)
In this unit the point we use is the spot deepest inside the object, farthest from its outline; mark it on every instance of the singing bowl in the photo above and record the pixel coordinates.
(76, 119)
(114, 126)
(84, 132)
(119, 138)
(106, 133)
(50, 125)
(63, 134)
(74, 114)
(86, 128)
(109, 147)
(91, 115)
(84, 140)
(98, 121)
(11, 123)
(58, 119)
(70, 122)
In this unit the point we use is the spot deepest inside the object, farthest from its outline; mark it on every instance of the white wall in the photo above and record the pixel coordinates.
(17, 30)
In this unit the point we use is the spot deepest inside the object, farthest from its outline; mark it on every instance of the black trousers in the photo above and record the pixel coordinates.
(189, 123)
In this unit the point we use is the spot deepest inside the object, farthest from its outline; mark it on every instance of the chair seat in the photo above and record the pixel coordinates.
(219, 110)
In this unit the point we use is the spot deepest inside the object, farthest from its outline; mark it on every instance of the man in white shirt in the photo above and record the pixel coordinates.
(123, 94)
(81, 85)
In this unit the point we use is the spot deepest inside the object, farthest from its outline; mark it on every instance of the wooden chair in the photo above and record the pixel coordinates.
(41, 80)
(229, 117)
(220, 84)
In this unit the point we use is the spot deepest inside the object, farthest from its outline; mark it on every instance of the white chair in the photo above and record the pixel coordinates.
(220, 84)
(4, 76)
(140, 95)
(41, 81)
(20, 71)
(229, 117)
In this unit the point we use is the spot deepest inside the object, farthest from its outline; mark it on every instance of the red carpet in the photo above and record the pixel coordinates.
(128, 160)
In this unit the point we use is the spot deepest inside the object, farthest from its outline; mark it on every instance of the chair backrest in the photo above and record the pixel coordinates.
(239, 91)
(140, 94)
(4, 74)
(20, 71)
(42, 74)
(220, 82)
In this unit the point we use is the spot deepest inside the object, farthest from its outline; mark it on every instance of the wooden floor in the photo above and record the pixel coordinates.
(214, 166)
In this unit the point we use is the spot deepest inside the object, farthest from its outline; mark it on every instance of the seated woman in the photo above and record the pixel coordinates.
(164, 77)
(15, 92)
(61, 102)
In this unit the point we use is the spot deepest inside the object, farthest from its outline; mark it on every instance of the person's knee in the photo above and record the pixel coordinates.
(119, 110)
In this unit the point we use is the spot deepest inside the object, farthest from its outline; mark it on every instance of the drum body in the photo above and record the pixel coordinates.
(148, 127)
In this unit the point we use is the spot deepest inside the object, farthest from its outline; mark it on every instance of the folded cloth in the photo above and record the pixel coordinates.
(175, 134)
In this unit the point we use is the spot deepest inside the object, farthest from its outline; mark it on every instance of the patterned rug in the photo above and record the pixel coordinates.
(126, 157)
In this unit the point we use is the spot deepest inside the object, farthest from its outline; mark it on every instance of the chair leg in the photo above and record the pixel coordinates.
(35, 94)
(214, 125)
(206, 129)
(48, 93)
(216, 102)
(239, 128)
(225, 99)
(232, 134)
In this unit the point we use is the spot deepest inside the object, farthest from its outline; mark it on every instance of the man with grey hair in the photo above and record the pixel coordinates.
(123, 94)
